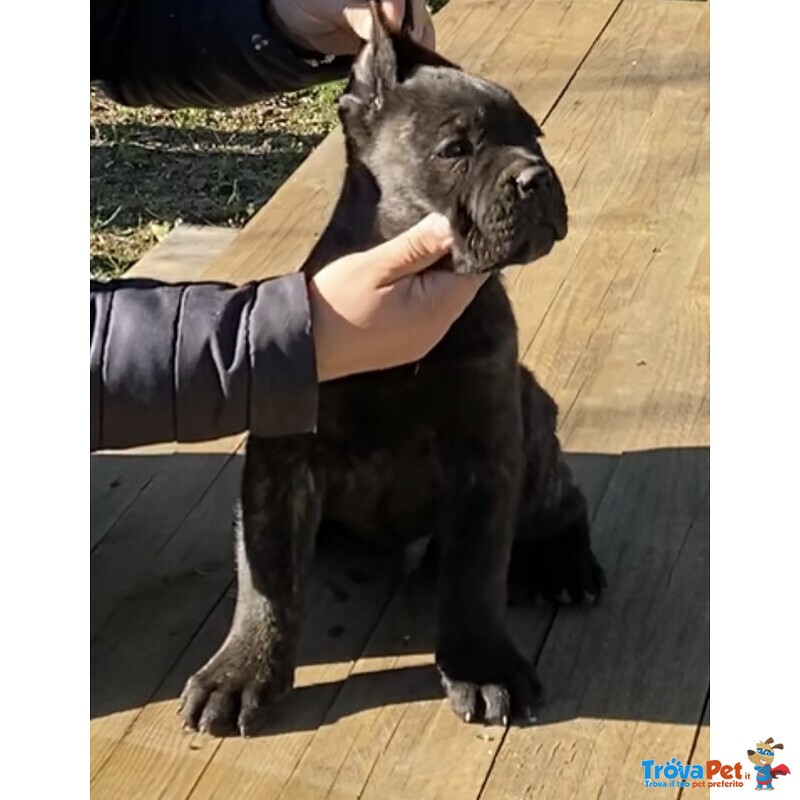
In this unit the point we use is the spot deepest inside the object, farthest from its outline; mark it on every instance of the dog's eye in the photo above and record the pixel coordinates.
(455, 148)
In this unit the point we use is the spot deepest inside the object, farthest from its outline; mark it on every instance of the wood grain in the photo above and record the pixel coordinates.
(627, 680)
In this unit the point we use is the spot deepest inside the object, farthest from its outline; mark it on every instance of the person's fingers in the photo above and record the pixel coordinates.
(393, 11)
(423, 24)
(359, 17)
(412, 251)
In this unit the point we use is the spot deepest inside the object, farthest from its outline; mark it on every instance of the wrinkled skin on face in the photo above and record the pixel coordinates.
(435, 139)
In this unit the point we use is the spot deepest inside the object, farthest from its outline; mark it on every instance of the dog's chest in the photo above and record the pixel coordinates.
(378, 449)
(383, 438)
(381, 485)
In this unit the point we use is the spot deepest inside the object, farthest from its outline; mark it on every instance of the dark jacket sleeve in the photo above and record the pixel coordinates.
(188, 362)
(201, 53)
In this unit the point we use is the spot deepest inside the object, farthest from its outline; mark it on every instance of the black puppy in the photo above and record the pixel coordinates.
(460, 446)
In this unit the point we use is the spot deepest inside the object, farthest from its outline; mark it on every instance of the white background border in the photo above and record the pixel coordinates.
(755, 391)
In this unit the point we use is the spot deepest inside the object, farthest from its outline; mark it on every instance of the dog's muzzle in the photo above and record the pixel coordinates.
(536, 182)
(515, 216)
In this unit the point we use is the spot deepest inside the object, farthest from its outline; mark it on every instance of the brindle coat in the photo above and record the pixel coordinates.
(461, 446)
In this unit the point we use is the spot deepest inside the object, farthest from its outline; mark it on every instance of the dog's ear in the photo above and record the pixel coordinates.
(388, 58)
(374, 71)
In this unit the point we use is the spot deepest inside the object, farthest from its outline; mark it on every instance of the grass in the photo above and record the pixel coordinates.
(151, 169)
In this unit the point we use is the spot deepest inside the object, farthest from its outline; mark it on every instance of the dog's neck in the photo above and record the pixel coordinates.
(353, 226)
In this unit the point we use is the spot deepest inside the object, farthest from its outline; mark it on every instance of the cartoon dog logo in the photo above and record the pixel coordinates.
(762, 757)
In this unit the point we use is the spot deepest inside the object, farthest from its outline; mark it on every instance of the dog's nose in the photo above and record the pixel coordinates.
(533, 178)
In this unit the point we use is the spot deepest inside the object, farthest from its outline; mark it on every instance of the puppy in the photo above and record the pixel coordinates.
(460, 447)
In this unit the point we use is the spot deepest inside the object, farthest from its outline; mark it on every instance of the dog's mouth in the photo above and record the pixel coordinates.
(510, 244)
(510, 230)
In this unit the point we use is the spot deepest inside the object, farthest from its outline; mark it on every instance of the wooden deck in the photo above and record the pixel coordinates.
(615, 324)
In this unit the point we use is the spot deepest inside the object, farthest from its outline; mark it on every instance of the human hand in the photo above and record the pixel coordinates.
(338, 27)
(379, 309)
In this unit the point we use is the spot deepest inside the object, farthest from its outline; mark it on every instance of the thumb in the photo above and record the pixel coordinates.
(413, 251)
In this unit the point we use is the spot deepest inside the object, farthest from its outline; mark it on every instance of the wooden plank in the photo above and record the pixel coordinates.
(627, 680)
(640, 206)
(533, 47)
(349, 589)
(115, 481)
(652, 386)
(121, 564)
(701, 752)
(389, 731)
(183, 253)
(147, 632)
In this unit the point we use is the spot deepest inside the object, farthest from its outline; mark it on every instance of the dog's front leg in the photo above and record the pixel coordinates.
(275, 528)
(483, 673)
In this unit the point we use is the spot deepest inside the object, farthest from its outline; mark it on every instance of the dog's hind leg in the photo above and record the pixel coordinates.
(275, 524)
(552, 555)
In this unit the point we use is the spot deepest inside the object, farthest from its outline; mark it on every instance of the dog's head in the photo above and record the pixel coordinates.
(436, 139)
(764, 753)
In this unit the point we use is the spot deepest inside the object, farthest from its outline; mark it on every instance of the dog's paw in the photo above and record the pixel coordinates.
(488, 680)
(560, 569)
(227, 695)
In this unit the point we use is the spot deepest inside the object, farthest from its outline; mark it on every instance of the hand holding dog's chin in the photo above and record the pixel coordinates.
(339, 27)
(379, 309)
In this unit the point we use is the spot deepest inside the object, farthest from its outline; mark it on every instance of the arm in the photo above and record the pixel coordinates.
(188, 362)
(201, 53)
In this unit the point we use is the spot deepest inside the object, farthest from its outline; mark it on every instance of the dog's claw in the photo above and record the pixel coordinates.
(514, 688)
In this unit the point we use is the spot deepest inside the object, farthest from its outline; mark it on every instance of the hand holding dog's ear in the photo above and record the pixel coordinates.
(338, 27)
(380, 309)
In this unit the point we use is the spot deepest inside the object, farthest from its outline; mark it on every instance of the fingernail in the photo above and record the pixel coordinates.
(439, 226)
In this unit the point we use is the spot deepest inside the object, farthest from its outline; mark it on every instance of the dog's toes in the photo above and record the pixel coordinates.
(463, 697)
(192, 702)
(231, 690)
(255, 699)
(220, 714)
(565, 598)
(527, 693)
(497, 704)
(495, 684)
(599, 581)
